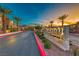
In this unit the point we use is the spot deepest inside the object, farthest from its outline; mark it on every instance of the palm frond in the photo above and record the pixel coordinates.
(62, 17)
(17, 18)
(4, 10)
(51, 21)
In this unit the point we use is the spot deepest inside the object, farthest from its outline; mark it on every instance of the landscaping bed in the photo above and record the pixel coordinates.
(46, 43)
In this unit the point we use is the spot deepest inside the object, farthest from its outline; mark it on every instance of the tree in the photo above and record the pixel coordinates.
(51, 22)
(4, 12)
(77, 25)
(62, 20)
(17, 19)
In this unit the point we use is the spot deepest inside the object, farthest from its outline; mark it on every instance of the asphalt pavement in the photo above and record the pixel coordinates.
(20, 44)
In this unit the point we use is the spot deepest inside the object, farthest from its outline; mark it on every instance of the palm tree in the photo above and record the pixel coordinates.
(51, 22)
(17, 19)
(77, 25)
(4, 12)
(62, 20)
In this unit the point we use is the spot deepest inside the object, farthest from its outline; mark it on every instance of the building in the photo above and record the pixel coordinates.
(8, 24)
(0, 24)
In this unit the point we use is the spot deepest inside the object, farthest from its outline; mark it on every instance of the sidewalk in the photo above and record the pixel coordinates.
(60, 43)
(6, 34)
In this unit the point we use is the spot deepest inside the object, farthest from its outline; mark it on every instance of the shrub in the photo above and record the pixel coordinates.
(47, 45)
(77, 52)
(44, 40)
(41, 37)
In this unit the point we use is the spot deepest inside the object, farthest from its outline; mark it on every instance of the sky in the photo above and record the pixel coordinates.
(29, 13)
(42, 13)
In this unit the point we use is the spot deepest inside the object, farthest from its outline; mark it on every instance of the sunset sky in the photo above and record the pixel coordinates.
(43, 13)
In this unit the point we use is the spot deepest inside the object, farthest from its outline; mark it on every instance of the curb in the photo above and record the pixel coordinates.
(8, 34)
(41, 50)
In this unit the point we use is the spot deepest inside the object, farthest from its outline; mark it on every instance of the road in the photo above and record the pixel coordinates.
(21, 44)
(74, 38)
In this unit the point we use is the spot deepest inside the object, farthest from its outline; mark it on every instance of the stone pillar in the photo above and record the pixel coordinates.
(66, 37)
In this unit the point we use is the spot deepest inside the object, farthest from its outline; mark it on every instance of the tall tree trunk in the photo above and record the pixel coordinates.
(62, 23)
(62, 28)
(51, 25)
(3, 23)
(17, 25)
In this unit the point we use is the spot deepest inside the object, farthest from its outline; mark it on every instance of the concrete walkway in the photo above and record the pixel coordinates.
(59, 42)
